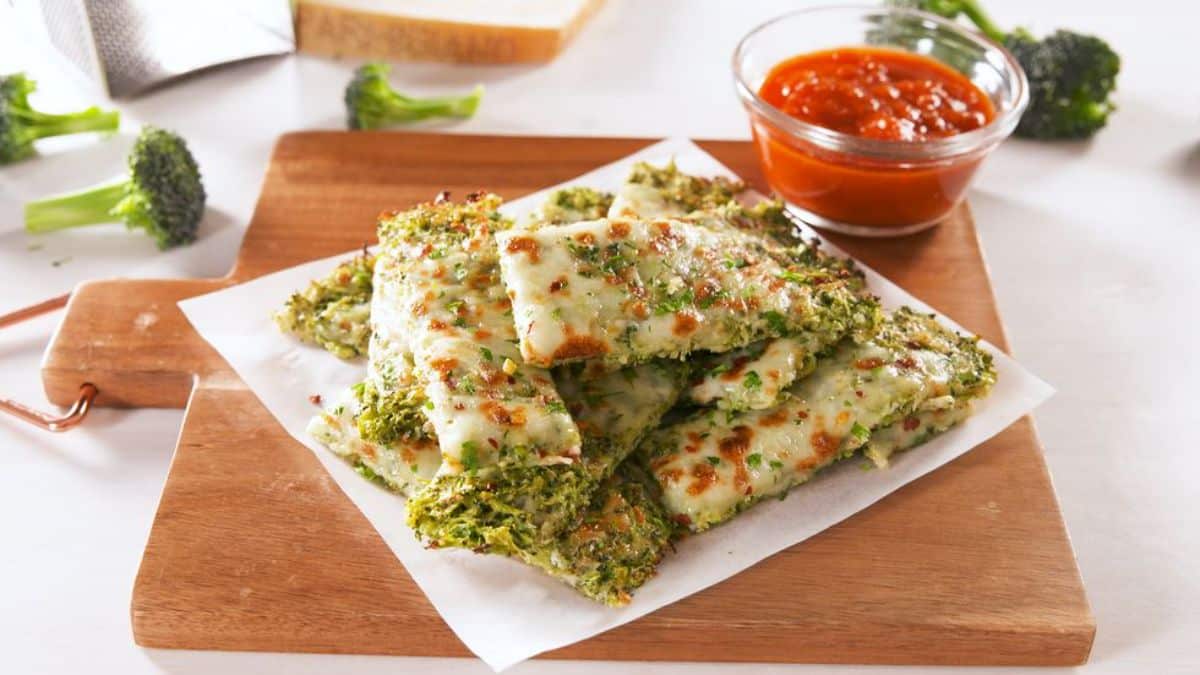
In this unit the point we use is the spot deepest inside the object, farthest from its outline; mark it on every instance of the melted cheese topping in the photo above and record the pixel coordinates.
(615, 408)
(438, 271)
(754, 377)
(628, 290)
(913, 431)
(713, 465)
(636, 200)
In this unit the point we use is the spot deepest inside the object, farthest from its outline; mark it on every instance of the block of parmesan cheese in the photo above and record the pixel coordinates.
(454, 31)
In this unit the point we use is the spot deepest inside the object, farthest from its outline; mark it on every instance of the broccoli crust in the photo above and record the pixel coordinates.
(332, 312)
(688, 192)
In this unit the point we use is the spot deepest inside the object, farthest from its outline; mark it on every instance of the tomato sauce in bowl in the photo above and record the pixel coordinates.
(880, 139)
(877, 93)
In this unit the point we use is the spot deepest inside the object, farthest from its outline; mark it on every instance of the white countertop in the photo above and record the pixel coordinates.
(1092, 247)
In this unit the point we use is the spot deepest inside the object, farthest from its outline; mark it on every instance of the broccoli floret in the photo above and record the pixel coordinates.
(162, 195)
(21, 125)
(1071, 75)
(1070, 79)
(371, 103)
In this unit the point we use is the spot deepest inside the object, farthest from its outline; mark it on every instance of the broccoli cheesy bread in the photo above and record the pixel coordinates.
(619, 368)
(713, 465)
(519, 510)
(487, 405)
(625, 291)
(332, 311)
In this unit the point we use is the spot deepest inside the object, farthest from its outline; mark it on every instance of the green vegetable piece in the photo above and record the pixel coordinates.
(163, 195)
(372, 103)
(752, 380)
(21, 125)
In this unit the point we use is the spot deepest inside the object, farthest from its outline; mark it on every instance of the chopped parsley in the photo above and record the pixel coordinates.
(719, 369)
(713, 460)
(776, 322)
(674, 303)
(860, 432)
(776, 464)
(556, 407)
(366, 472)
(752, 380)
(486, 353)
(470, 455)
(753, 461)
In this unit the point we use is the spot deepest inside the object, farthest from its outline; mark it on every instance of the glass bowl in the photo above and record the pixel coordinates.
(866, 186)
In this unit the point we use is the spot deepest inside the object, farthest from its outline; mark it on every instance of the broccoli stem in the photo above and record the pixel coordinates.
(43, 125)
(407, 109)
(88, 207)
(974, 11)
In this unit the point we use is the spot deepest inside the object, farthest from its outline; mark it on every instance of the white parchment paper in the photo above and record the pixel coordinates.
(502, 610)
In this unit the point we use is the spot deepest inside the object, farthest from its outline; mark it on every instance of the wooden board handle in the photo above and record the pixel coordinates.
(130, 339)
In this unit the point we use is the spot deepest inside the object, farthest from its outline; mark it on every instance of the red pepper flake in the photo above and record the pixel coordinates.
(858, 393)
(527, 245)
(315, 399)
(911, 423)
(868, 364)
(906, 362)
(682, 519)
(492, 442)
(802, 415)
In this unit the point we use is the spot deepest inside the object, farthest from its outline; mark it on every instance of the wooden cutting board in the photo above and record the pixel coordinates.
(254, 547)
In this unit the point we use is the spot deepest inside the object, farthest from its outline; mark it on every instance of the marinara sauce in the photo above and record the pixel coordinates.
(871, 93)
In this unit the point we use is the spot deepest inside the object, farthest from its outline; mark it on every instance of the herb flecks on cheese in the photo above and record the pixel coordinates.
(488, 407)
(332, 311)
(629, 290)
(715, 464)
(730, 380)
(753, 377)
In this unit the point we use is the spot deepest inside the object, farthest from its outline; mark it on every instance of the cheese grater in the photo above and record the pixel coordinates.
(129, 46)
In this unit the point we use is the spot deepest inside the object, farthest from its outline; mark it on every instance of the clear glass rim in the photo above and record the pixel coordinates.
(1001, 126)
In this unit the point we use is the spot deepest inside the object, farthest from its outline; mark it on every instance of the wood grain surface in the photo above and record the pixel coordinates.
(254, 547)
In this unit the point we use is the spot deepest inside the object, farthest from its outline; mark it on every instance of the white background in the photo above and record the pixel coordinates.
(1092, 248)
